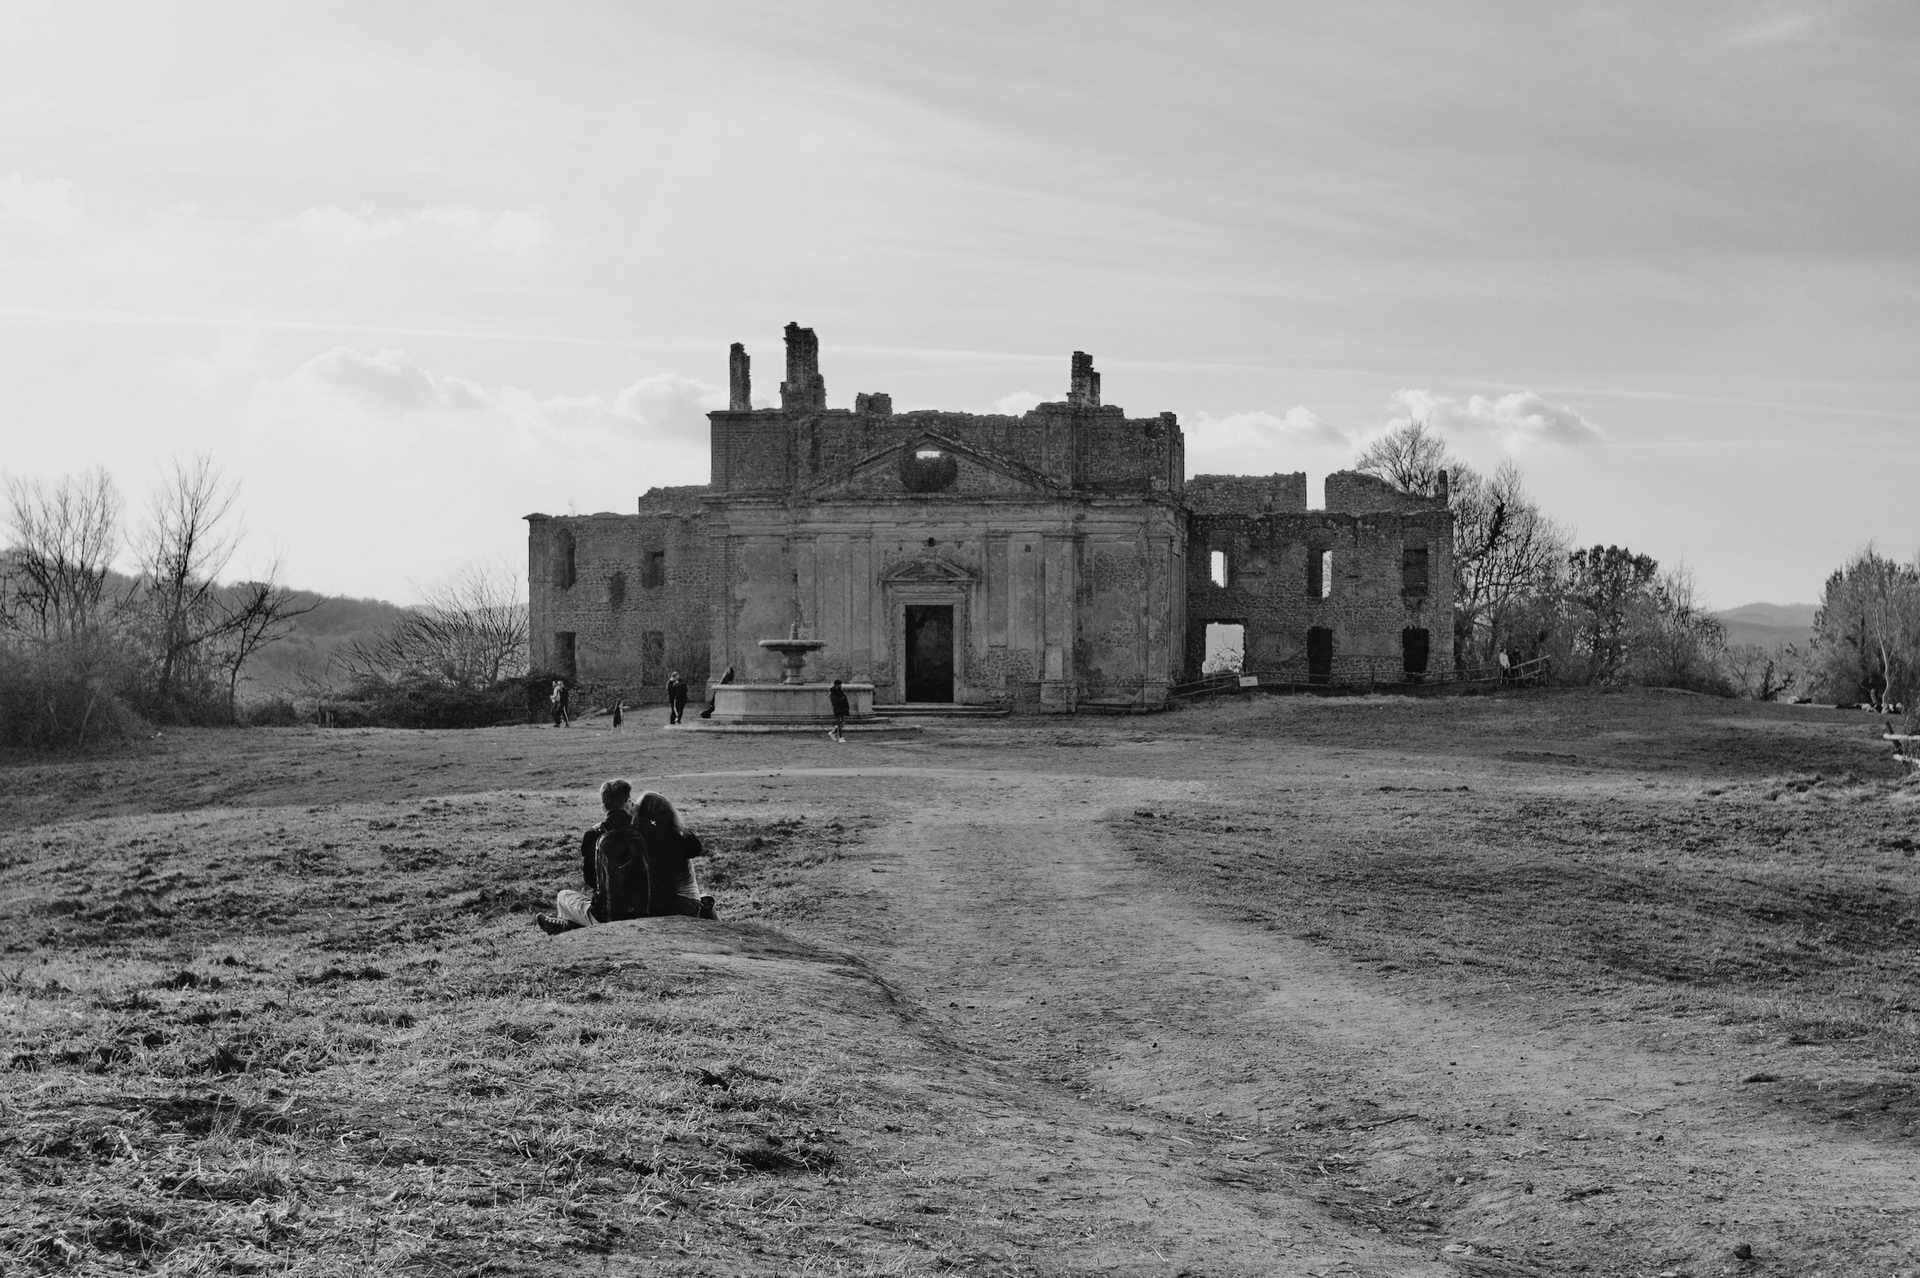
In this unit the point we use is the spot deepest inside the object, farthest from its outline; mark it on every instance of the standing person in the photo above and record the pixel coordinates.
(565, 691)
(837, 701)
(725, 678)
(676, 698)
(1506, 665)
(619, 710)
(555, 702)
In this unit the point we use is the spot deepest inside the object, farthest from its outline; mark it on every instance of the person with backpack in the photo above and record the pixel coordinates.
(635, 847)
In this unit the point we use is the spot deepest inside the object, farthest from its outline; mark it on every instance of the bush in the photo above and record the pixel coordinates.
(274, 712)
(53, 700)
(394, 704)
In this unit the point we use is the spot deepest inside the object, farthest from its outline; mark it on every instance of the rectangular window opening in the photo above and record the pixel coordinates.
(1413, 572)
(1319, 572)
(1219, 565)
(653, 570)
(1226, 651)
(565, 662)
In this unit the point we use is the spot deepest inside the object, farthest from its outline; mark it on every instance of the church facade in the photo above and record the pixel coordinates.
(1055, 561)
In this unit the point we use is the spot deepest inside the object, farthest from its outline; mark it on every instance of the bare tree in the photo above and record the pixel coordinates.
(63, 544)
(252, 615)
(468, 634)
(1412, 458)
(188, 542)
(1504, 550)
(1867, 633)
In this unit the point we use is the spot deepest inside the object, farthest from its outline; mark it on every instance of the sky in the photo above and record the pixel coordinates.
(408, 273)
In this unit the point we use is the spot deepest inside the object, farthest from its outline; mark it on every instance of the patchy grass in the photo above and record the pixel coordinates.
(330, 1041)
(1789, 905)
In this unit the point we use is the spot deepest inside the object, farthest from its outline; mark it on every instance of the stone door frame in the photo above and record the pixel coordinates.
(929, 581)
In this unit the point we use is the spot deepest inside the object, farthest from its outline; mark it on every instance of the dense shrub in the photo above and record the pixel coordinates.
(58, 699)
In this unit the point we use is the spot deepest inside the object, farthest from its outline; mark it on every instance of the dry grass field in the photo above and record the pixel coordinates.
(1554, 983)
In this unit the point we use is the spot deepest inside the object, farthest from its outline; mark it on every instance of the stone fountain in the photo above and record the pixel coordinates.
(793, 652)
(792, 705)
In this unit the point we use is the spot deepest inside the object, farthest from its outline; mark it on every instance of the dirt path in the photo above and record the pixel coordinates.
(1334, 1119)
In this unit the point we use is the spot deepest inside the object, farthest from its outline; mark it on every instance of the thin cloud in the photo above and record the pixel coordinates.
(47, 205)
(511, 231)
(1515, 420)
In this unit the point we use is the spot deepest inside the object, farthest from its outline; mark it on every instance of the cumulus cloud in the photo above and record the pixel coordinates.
(1520, 419)
(1016, 404)
(1257, 428)
(511, 231)
(391, 385)
(47, 205)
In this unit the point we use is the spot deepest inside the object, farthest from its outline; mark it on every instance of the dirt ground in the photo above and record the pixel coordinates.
(1552, 983)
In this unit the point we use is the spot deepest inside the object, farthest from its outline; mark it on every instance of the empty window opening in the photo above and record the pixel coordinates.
(617, 590)
(1415, 645)
(1226, 651)
(1219, 560)
(563, 559)
(653, 656)
(653, 570)
(928, 454)
(1319, 572)
(1413, 572)
(565, 663)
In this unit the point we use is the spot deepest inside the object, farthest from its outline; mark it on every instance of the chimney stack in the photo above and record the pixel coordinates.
(1084, 390)
(803, 390)
(739, 379)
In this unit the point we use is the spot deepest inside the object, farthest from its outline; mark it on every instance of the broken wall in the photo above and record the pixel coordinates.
(1391, 575)
(629, 590)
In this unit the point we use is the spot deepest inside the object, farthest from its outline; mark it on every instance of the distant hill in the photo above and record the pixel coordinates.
(1769, 625)
(336, 621)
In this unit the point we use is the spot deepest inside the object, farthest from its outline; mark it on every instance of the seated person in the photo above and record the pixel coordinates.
(670, 846)
(634, 846)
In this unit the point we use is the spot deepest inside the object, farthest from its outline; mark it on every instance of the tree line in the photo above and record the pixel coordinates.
(89, 652)
(1606, 614)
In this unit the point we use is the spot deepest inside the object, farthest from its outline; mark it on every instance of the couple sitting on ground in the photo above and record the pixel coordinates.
(637, 863)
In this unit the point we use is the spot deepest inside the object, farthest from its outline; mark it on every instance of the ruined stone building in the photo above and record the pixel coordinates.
(1053, 561)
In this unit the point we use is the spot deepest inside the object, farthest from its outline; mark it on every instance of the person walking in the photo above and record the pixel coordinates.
(837, 702)
(676, 698)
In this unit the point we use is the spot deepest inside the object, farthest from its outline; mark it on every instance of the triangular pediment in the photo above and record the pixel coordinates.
(931, 465)
(928, 568)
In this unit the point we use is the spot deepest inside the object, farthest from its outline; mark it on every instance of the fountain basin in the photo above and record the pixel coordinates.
(797, 704)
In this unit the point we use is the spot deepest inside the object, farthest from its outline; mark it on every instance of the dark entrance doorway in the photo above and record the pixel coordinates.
(929, 652)
(1319, 655)
(1414, 645)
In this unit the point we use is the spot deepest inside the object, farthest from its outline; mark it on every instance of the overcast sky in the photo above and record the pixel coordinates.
(412, 271)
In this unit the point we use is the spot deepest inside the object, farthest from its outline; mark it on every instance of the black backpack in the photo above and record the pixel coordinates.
(620, 867)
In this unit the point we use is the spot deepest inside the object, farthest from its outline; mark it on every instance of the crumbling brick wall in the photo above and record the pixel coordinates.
(1391, 578)
(629, 590)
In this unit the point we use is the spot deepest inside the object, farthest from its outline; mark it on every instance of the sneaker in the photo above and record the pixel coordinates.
(553, 924)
